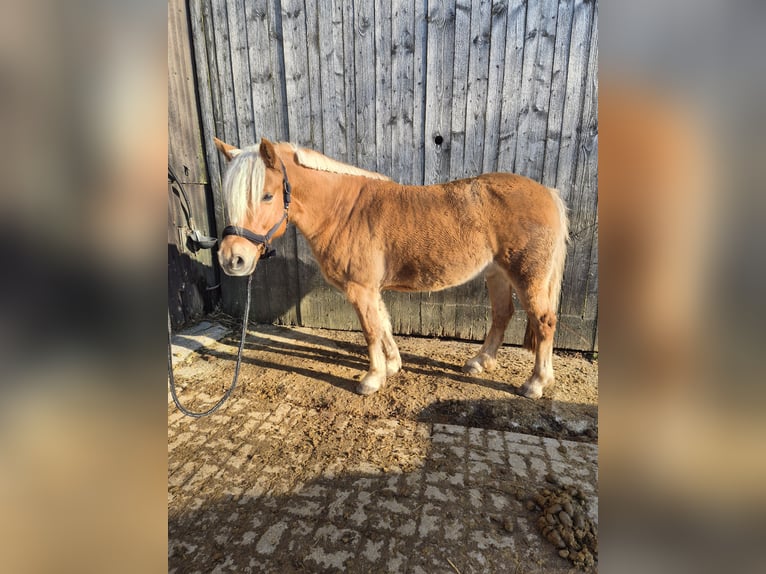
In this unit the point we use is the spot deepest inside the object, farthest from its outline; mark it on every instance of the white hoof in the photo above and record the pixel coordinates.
(369, 384)
(533, 388)
(479, 364)
(472, 367)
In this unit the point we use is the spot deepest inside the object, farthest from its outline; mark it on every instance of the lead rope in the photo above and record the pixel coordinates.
(226, 395)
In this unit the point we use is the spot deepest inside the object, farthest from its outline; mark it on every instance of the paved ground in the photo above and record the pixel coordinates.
(246, 495)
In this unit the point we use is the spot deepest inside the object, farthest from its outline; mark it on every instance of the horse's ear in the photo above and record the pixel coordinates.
(268, 153)
(228, 150)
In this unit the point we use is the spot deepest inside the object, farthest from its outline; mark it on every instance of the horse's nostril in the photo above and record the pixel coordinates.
(237, 262)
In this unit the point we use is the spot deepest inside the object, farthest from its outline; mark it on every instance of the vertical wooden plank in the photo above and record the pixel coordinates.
(557, 92)
(402, 49)
(364, 73)
(185, 148)
(210, 96)
(384, 88)
(583, 201)
(314, 72)
(495, 85)
(538, 62)
(228, 115)
(575, 88)
(262, 72)
(349, 80)
(277, 57)
(476, 94)
(296, 72)
(439, 70)
(590, 135)
(419, 94)
(330, 30)
(459, 88)
(571, 305)
(238, 50)
(206, 106)
(514, 57)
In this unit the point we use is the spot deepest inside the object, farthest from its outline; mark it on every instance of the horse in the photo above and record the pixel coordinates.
(369, 233)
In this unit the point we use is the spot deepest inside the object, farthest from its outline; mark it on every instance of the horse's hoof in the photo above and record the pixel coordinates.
(472, 367)
(369, 385)
(532, 389)
(479, 364)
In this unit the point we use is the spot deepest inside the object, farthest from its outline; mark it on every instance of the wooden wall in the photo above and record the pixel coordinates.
(192, 275)
(423, 91)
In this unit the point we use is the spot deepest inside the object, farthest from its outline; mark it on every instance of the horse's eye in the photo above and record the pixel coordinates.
(268, 197)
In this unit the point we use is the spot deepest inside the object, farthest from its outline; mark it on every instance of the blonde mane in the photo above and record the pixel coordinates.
(246, 175)
(315, 160)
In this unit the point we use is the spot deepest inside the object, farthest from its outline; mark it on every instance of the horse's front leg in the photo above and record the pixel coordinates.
(368, 304)
(391, 351)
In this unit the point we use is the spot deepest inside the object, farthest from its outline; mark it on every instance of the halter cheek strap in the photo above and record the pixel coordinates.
(264, 240)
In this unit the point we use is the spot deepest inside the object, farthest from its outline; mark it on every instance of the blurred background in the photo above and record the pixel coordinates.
(682, 265)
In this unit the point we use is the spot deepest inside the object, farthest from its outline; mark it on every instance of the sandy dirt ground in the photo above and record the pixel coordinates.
(309, 376)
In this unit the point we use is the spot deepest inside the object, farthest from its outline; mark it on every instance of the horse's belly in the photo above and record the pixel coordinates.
(434, 275)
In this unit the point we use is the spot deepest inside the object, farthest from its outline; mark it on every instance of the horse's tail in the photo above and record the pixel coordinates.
(556, 271)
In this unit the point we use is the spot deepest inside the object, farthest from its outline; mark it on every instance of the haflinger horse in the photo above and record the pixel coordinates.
(369, 233)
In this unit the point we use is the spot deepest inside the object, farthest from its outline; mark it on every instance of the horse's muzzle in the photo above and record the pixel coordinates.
(238, 258)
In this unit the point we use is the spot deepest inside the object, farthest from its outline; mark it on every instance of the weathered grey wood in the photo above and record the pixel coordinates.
(205, 95)
(402, 66)
(557, 91)
(514, 57)
(333, 117)
(419, 95)
(263, 75)
(459, 87)
(190, 273)
(535, 89)
(230, 132)
(503, 83)
(582, 201)
(439, 63)
(296, 72)
(572, 116)
(316, 137)
(349, 80)
(494, 97)
(476, 95)
(185, 152)
(364, 73)
(240, 70)
(277, 54)
(384, 87)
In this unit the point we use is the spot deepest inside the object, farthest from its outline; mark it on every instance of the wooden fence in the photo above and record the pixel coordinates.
(423, 91)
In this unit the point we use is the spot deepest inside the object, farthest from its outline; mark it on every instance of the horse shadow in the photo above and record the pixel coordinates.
(318, 348)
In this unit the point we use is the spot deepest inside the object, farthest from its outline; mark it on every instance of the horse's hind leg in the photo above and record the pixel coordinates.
(541, 326)
(368, 305)
(500, 295)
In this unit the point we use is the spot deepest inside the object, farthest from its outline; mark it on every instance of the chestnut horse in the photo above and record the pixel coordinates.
(369, 233)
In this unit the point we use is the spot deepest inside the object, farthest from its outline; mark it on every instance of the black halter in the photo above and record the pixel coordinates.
(265, 240)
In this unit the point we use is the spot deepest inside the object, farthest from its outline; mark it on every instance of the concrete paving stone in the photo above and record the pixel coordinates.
(495, 441)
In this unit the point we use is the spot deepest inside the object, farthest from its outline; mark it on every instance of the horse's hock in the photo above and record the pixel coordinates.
(439, 471)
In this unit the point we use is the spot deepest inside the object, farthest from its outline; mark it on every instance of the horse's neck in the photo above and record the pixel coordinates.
(318, 199)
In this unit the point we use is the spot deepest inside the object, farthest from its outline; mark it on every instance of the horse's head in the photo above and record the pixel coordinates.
(255, 199)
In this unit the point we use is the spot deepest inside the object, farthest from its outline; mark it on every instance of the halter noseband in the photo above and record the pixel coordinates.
(265, 240)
